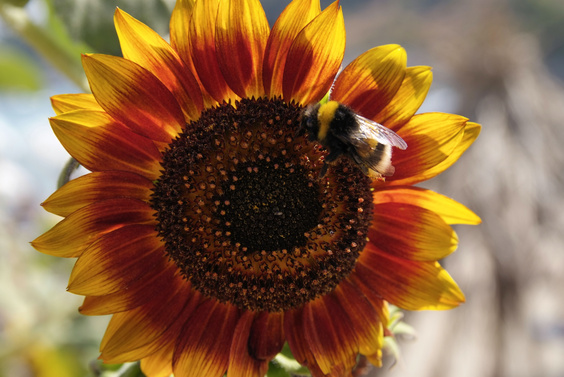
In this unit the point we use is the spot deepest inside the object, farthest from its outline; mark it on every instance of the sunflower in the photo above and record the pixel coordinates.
(204, 227)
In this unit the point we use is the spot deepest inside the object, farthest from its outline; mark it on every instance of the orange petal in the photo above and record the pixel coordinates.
(204, 342)
(139, 294)
(407, 99)
(184, 302)
(100, 143)
(411, 232)
(448, 209)
(292, 20)
(117, 260)
(411, 285)
(70, 237)
(241, 363)
(329, 335)
(370, 81)
(471, 132)
(430, 138)
(134, 96)
(140, 44)
(97, 186)
(180, 31)
(63, 103)
(180, 40)
(267, 335)
(240, 39)
(315, 57)
(137, 333)
(365, 322)
(203, 50)
(159, 363)
(294, 328)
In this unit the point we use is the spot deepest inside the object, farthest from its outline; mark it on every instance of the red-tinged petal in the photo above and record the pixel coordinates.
(365, 322)
(292, 20)
(203, 50)
(471, 132)
(267, 335)
(448, 209)
(71, 236)
(99, 143)
(329, 335)
(117, 260)
(240, 39)
(294, 328)
(180, 40)
(430, 138)
(407, 99)
(134, 96)
(97, 186)
(63, 103)
(134, 334)
(241, 363)
(162, 346)
(411, 232)
(411, 285)
(180, 31)
(142, 45)
(204, 342)
(315, 57)
(370, 81)
(140, 294)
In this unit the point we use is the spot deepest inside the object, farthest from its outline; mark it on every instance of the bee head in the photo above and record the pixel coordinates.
(309, 122)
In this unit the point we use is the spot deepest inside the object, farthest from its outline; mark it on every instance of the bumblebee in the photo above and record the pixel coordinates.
(343, 132)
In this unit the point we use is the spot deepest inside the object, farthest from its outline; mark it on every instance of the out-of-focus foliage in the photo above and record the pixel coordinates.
(91, 21)
(18, 71)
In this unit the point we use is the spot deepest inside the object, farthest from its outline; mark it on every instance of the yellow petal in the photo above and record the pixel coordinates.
(180, 31)
(370, 81)
(407, 99)
(71, 236)
(315, 57)
(64, 103)
(97, 186)
(411, 285)
(292, 20)
(100, 143)
(142, 45)
(241, 34)
(203, 50)
(118, 259)
(471, 132)
(180, 40)
(134, 96)
(448, 209)
(430, 138)
(411, 232)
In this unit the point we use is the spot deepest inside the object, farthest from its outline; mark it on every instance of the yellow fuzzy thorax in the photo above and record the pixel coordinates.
(325, 115)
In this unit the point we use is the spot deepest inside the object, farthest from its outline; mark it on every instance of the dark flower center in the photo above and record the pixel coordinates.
(261, 208)
(244, 215)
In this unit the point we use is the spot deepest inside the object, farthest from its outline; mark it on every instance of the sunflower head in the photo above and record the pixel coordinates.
(214, 229)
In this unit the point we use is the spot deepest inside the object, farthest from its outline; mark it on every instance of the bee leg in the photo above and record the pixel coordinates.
(332, 156)
(300, 130)
(323, 170)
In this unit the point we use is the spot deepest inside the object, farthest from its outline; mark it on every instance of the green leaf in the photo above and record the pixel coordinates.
(18, 70)
(92, 21)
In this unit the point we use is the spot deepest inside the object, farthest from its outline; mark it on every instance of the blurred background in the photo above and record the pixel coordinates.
(498, 62)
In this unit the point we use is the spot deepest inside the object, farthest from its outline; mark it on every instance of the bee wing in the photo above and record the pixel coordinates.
(372, 133)
(373, 146)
